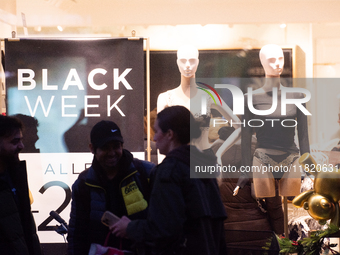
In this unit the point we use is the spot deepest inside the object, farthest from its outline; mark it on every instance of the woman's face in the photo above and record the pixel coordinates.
(161, 139)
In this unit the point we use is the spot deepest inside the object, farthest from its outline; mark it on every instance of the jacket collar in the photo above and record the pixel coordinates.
(97, 174)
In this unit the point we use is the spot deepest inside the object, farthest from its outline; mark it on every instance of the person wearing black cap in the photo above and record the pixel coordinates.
(115, 182)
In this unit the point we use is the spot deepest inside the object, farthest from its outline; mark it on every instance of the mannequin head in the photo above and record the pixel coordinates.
(272, 60)
(187, 60)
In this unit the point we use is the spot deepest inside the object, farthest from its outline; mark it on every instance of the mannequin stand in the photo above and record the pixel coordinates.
(285, 217)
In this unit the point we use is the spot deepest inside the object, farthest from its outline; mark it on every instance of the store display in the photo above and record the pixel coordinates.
(322, 202)
(275, 142)
(189, 94)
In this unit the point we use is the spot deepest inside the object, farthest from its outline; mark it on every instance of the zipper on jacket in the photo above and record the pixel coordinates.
(120, 184)
(95, 186)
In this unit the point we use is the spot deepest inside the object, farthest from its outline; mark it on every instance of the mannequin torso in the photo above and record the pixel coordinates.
(187, 94)
(177, 97)
(275, 139)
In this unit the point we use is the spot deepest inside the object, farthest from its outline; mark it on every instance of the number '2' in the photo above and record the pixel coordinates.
(43, 226)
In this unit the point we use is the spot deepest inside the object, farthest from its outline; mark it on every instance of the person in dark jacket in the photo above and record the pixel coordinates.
(185, 214)
(18, 234)
(115, 182)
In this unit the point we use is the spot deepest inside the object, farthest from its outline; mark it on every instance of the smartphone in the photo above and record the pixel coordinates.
(109, 219)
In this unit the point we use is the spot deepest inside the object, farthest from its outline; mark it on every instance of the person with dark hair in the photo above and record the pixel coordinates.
(17, 227)
(30, 132)
(185, 214)
(115, 182)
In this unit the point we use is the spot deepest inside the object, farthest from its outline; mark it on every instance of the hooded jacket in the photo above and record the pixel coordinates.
(17, 227)
(185, 214)
(93, 194)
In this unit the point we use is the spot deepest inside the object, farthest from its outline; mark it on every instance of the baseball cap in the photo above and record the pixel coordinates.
(105, 131)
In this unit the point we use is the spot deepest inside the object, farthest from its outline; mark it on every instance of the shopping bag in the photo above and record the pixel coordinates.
(97, 249)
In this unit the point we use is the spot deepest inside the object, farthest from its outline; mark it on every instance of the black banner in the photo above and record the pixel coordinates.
(69, 85)
(60, 89)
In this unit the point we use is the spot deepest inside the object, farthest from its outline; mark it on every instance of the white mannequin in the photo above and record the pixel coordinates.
(187, 62)
(272, 60)
(187, 92)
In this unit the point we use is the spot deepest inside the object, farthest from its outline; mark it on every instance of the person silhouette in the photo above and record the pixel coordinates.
(30, 133)
(75, 137)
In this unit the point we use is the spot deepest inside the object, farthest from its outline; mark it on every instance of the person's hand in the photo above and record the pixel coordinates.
(236, 190)
(119, 229)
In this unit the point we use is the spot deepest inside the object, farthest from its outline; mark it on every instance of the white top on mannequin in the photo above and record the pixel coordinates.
(272, 61)
(187, 62)
(187, 92)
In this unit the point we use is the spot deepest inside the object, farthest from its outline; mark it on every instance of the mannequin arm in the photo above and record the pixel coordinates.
(161, 102)
(302, 129)
(227, 113)
(236, 190)
(220, 141)
(231, 140)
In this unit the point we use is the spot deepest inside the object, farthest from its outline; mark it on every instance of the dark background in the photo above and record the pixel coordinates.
(221, 64)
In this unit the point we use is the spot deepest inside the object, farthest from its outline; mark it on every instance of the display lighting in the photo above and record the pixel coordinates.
(283, 25)
(60, 28)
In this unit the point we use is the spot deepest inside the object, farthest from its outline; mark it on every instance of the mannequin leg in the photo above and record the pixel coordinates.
(290, 183)
(275, 212)
(264, 182)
